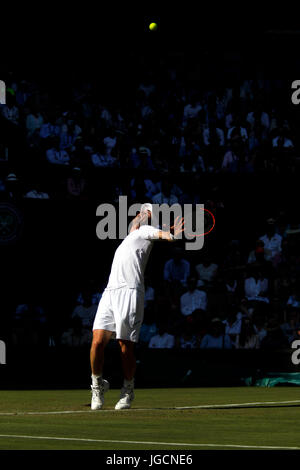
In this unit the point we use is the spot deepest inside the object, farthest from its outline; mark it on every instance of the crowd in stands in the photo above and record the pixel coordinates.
(169, 127)
(241, 300)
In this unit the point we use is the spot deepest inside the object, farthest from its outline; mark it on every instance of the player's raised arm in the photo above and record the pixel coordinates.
(177, 229)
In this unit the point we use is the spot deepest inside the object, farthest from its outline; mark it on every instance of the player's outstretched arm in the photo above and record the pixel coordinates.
(177, 229)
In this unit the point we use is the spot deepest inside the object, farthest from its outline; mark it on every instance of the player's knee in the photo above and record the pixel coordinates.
(98, 343)
(127, 347)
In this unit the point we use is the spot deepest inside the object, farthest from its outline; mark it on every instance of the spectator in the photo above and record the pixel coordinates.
(166, 195)
(187, 339)
(275, 337)
(34, 121)
(48, 129)
(258, 254)
(207, 271)
(237, 129)
(141, 158)
(193, 299)
(233, 325)
(85, 312)
(76, 183)
(292, 326)
(13, 187)
(191, 110)
(149, 293)
(162, 340)
(177, 268)
(248, 337)
(76, 335)
(293, 300)
(213, 136)
(149, 327)
(55, 155)
(272, 242)
(281, 140)
(216, 339)
(256, 286)
(10, 111)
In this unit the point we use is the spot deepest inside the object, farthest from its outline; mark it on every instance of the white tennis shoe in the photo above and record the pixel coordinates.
(98, 394)
(126, 397)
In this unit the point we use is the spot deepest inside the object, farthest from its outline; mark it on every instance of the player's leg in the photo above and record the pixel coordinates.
(129, 366)
(103, 329)
(99, 385)
(129, 317)
(128, 359)
(100, 340)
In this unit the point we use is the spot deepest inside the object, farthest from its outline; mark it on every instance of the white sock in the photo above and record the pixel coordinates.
(96, 379)
(129, 383)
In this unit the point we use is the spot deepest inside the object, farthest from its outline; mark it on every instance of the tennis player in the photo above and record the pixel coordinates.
(121, 308)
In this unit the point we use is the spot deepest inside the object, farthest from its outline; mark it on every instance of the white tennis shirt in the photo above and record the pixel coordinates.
(131, 258)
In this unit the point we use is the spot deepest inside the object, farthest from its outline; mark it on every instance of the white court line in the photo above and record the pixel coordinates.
(226, 405)
(181, 444)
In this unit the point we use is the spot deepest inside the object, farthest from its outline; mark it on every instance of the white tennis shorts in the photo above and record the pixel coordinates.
(121, 311)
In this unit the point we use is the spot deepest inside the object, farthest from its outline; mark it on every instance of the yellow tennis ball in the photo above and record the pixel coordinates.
(153, 26)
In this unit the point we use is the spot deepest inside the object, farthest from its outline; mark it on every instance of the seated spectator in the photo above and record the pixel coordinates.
(10, 111)
(207, 271)
(275, 337)
(213, 136)
(13, 187)
(237, 129)
(162, 340)
(272, 242)
(76, 183)
(101, 158)
(259, 327)
(29, 325)
(149, 327)
(231, 284)
(110, 141)
(233, 325)
(230, 161)
(281, 140)
(292, 326)
(258, 116)
(142, 188)
(67, 139)
(177, 268)
(216, 338)
(256, 286)
(200, 324)
(147, 87)
(76, 335)
(141, 158)
(48, 129)
(149, 293)
(91, 291)
(258, 254)
(248, 338)
(187, 339)
(191, 110)
(34, 121)
(86, 312)
(294, 300)
(166, 195)
(55, 155)
(193, 299)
